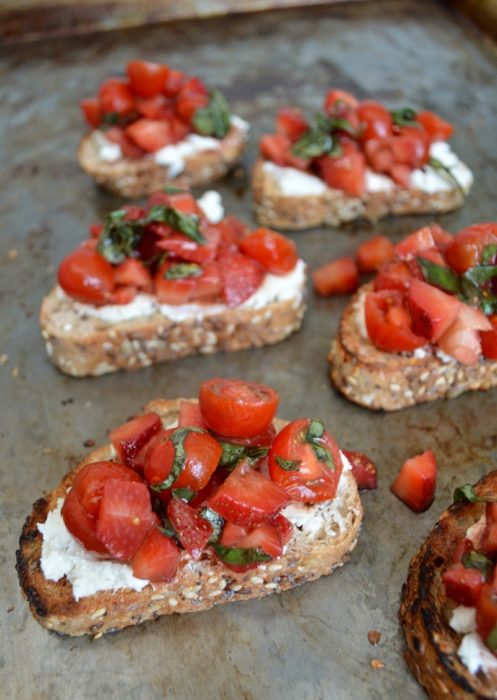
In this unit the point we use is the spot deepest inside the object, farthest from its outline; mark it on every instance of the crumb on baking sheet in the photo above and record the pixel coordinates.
(12, 254)
(89, 443)
(377, 664)
(374, 637)
(4, 359)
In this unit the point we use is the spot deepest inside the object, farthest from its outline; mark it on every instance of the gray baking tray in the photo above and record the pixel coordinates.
(310, 642)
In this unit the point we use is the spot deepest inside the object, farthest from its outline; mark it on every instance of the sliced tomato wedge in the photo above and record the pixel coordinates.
(275, 252)
(416, 243)
(462, 339)
(81, 525)
(157, 558)
(150, 134)
(486, 611)
(263, 439)
(290, 122)
(248, 499)
(416, 481)
(125, 517)
(388, 322)
(432, 310)
(265, 537)
(306, 465)
(92, 111)
(345, 172)
(436, 127)
(278, 149)
(157, 107)
(147, 79)
(462, 585)
(374, 253)
(128, 439)
(86, 276)
(237, 408)
(284, 527)
(90, 479)
(363, 469)
(193, 531)
(133, 272)
(240, 277)
(339, 276)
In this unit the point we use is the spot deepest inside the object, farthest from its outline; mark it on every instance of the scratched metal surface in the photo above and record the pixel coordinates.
(310, 642)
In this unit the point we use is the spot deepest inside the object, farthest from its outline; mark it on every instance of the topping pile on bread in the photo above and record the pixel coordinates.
(193, 504)
(168, 279)
(426, 327)
(449, 602)
(357, 159)
(158, 126)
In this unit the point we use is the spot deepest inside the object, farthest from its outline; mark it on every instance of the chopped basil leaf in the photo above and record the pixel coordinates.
(315, 430)
(184, 494)
(477, 560)
(217, 522)
(182, 270)
(314, 434)
(241, 555)
(189, 224)
(315, 142)
(172, 189)
(232, 454)
(119, 238)
(178, 439)
(215, 118)
(480, 274)
(447, 172)
(439, 275)
(115, 119)
(333, 124)
(404, 117)
(466, 493)
(489, 254)
(491, 640)
(289, 465)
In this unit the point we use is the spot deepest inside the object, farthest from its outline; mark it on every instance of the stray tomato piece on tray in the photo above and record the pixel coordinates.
(416, 482)
(340, 276)
(363, 469)
(374, 253)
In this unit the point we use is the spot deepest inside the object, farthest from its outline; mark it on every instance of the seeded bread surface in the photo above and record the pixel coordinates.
(198, 585)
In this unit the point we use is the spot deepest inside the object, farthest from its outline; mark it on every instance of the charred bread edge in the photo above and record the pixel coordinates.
(53, 606)
(334, 207)
(390, 381)
(432, 645)
(134, 178)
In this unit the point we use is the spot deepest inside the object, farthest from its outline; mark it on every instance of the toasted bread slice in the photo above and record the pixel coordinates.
(391, 381)
(83, 345)
(333, 207)
(425, 610)
(140, 177)
(198, 585)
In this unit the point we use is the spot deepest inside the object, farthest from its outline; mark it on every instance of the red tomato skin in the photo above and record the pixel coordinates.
(462, 339)
(150, 134)
(116, 97)
(275, 252)
(278, 149)
(240, 277)
(339, 276)
(346, 99)
(190, 414)
(264, 439)
(193, 531)
(432, 310)
(436, 127)
(237, 408)
(125, 517)
(157, 558)
(86, 276)
(248, 499)
(290, 122)
(81, 525)
(133, 272)
(416, 243)
(203, 287)
(395, 274)
(157, 107)
(147, 79)
(128, 147)
(314, 481)
(416, 482)
(462, 585)
(90, 479)
(466, 247)
(486, 611)
(345, 172)
(174, 82)
(128, 439)
(374, 253)
(385, 332)
(92, 111)
(363, 469)
(376, 120)
(284, 527)
(488, 340)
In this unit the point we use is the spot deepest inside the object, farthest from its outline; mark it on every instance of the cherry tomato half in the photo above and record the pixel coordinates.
(86, 276)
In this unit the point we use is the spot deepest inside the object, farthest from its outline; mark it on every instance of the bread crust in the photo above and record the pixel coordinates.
(334, 207)
(392, 381)
(91, 347)
(140, 177)
(432, 645)
(197, 586)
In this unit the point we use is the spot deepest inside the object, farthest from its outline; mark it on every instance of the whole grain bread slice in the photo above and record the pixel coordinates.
(334, 207)
(140, 177)
(198, 585)
(432, 644)
(391, 381)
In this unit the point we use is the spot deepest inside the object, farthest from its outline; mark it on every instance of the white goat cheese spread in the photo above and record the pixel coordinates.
(212, 206)
(472, 651)
(239, 123)
(293, 182)
(274, 288)
(173, 156)
(108, 151)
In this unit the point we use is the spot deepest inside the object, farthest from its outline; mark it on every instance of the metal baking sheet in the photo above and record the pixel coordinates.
(310, 642)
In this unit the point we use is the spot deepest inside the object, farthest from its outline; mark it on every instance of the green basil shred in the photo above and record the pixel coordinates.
(313, 436)
(289, 465)
(477, 560)
(241, 555)
(232, 454)
(178, 440)
(406, 116)
(181, 271)
(217, 522)
(215, 118)
(184, 494)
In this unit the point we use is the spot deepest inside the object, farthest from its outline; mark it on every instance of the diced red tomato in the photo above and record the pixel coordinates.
(433, 255)
(193, 531)
(278, 149)
(409, 149)
(133, 272)
(416, 481)
(125, 517)
(284, 527)
(248, 499)
(192, 96)
(462, 585)
(174, 82)
(395, 274)
(240, 277)
(181, 246)
(179, 129)
(416, 242)
(436, 127)
(128, 147)
(388, 322)
(190, 414)
(265, 537)
(237, 408)
(203, 287)
(81, 525)
(275, 252)
(338, 99)
(488, 340)
(202, 497)
(374, 253)
(363, 469)
(232, 231)
(375, 119)
(147, 79)
(128, 439)
(157, 107)
(307, 478)
(157, 558)
(86, 276)
(90, 479)
(462, 339)
(339, 276)
(345, 172)
(466, 247)
(116, 97)
(291, 123)
(432, 310)
(96, 230)
(150, 134)
(486, 611)
(123, 295)
(185, 202)
(92, 111)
